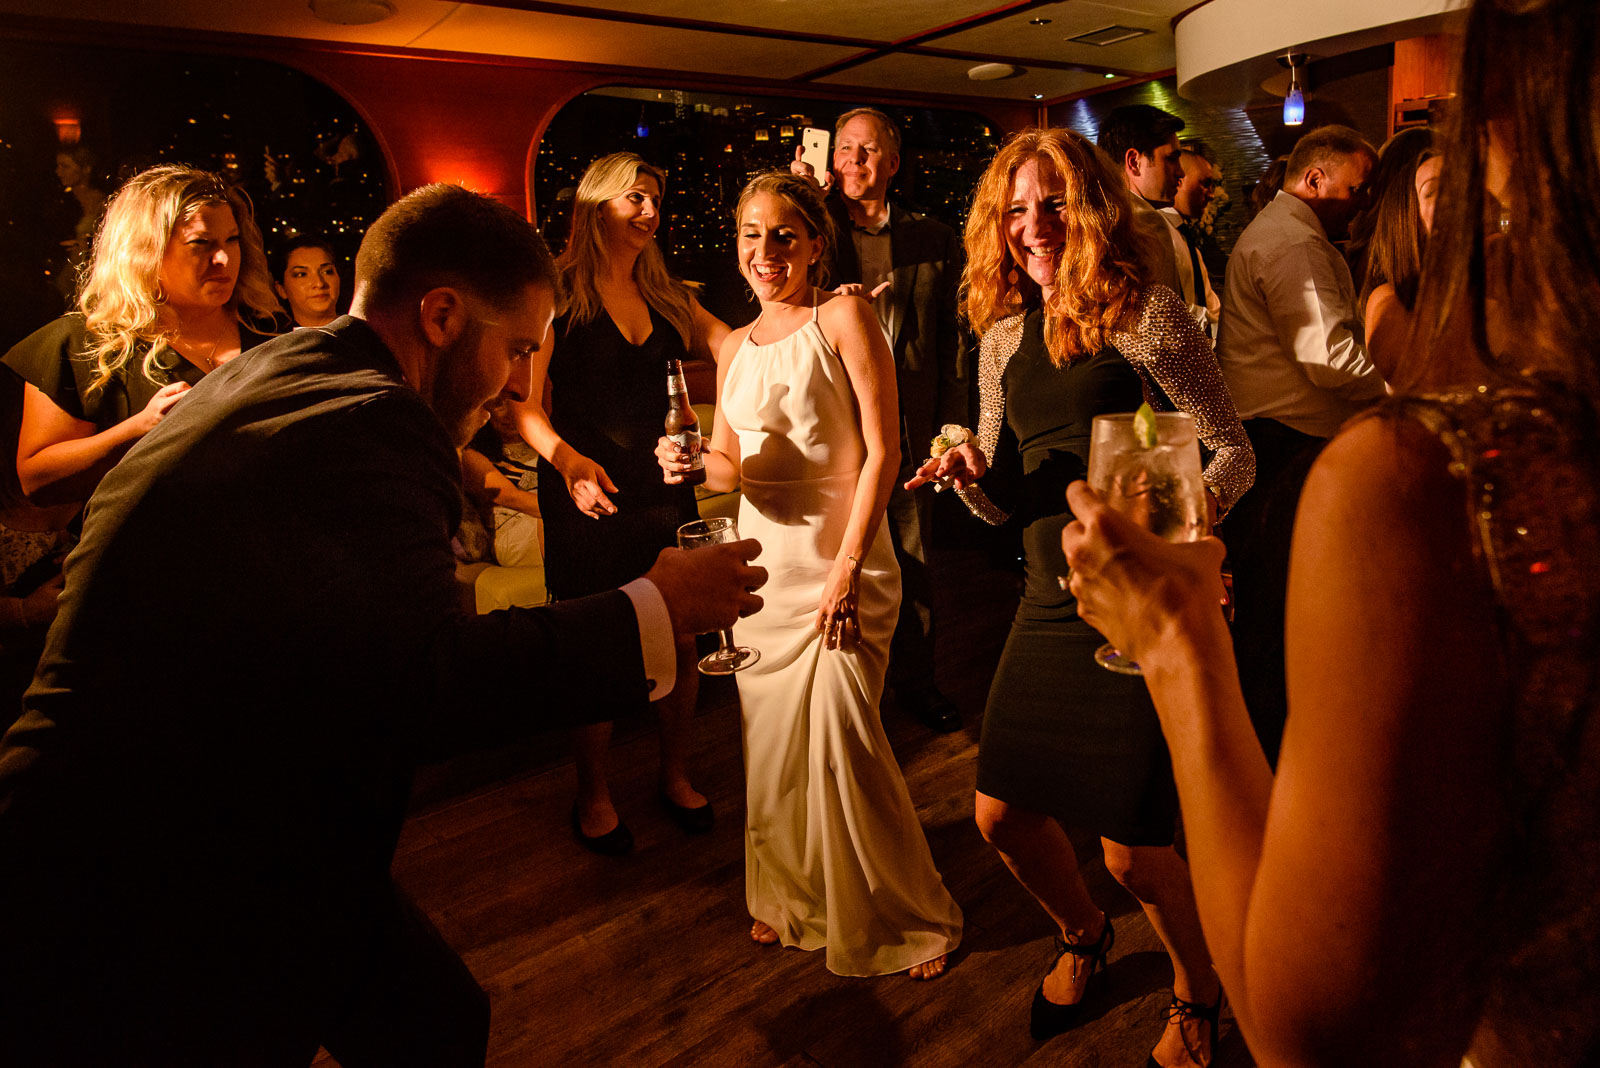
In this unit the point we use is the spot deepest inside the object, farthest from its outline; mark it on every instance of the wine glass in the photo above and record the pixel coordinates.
(1157, 486)
(729, 657)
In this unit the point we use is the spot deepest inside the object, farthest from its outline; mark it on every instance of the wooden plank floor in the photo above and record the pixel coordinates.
(646, 960)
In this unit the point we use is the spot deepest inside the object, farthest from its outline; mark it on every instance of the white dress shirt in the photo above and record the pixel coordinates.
(1291, 345)
(1204, 303)
(655, 637)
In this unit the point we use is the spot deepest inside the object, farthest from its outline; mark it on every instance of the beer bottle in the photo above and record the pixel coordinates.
(682, 425)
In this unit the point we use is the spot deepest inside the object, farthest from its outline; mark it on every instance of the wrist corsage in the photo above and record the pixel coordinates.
(950, 435)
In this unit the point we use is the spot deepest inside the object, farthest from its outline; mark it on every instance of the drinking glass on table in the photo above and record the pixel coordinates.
(729, 657)
(1147, 466)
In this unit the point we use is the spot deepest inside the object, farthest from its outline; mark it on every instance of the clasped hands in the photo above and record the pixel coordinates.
(1132, 586)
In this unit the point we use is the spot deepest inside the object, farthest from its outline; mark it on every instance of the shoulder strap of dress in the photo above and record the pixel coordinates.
(816, 302)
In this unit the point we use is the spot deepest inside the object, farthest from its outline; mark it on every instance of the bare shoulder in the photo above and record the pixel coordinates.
(843, 310)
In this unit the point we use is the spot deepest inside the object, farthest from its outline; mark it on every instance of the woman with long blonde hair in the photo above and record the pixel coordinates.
(598, 399)
(177, 277)
(1071, 329)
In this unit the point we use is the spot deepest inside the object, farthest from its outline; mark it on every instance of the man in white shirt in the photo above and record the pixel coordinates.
(1143, 142)
(1294, 357)
(1196, 189)
(908, 265)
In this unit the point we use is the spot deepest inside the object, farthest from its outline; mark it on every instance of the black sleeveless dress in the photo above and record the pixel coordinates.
(1062, 735)
(608, 399)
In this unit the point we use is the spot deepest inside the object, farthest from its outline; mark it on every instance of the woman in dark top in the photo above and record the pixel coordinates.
(1065, 741)
(600, 396)
(177, 265)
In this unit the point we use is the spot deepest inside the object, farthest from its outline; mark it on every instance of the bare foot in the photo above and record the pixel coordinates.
(762, 933)
(1186, 1043)
(929, 969)
(1066, 982)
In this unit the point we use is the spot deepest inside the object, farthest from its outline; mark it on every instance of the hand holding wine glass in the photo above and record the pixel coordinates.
(729, 657)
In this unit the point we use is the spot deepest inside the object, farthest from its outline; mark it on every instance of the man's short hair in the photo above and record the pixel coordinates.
(444, 235)
(1323, 147)
(1139, 127)
(890, 131)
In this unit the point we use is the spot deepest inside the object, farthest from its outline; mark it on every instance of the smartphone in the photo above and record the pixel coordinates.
(814, 150)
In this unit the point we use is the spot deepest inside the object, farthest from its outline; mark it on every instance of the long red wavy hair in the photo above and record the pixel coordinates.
(1099, 278)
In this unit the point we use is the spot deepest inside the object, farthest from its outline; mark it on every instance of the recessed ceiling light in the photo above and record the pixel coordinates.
(1038, 96)
(1109, 75)
(993, 72)
(352, 12)
(1038, 22)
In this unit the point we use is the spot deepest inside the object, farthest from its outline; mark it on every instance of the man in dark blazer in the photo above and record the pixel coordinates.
(260, 637)
(908, 265)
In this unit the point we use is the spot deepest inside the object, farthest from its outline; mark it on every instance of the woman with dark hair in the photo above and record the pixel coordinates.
(75, 170)
(177, 279)
(1417, 881)
(1070, 328)
(305, 275)
(599, 395)
(807, 426)
(1402, 215)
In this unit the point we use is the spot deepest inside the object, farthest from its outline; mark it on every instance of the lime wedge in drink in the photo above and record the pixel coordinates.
(1144, 426)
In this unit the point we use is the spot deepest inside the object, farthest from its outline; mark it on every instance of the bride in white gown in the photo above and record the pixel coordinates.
(807, 426)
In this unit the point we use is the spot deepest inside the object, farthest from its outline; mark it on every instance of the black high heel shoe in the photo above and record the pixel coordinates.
(1195, 1010)
(1046, 1019)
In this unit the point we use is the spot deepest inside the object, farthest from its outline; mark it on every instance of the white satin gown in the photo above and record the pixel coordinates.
(834, 855)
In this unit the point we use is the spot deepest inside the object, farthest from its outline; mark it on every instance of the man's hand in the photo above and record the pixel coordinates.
(804, 170)
(707, 589)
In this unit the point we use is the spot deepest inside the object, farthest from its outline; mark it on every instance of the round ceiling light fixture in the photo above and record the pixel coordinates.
(352, 12)
(993, 72)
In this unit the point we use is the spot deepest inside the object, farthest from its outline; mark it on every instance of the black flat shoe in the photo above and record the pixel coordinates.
(1197, 1010)
(689, 820)
(1046, 1019)
(616, 842)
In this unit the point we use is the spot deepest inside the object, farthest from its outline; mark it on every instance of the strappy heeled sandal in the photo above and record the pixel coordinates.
(1194, 1010)
(1046, 1019)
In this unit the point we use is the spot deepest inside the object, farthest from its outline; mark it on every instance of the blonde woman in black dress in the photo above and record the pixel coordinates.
(599, 397)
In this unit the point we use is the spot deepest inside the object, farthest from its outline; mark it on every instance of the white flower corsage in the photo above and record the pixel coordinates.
(950, 435)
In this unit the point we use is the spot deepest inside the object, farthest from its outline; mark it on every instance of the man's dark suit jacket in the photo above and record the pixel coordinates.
(260, 637)
(930, 351)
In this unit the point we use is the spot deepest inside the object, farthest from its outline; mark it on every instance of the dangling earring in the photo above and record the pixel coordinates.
(1012, 279)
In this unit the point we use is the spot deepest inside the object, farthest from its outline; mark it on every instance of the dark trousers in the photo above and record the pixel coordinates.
(911, 648)
(395, 997)
(1257, 533)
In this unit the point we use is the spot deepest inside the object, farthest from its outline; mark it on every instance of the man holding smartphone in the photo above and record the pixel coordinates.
(908, 265)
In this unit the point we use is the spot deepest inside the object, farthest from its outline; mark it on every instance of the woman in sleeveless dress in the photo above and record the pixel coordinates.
(1418, 881)
(178, 274)
(834, 856)
(1070, 330)
(598, 398)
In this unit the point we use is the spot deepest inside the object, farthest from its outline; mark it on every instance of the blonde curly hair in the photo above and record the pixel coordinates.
(1099, 278)
(120, 293)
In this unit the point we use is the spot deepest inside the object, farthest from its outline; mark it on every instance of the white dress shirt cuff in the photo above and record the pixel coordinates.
(655, 637)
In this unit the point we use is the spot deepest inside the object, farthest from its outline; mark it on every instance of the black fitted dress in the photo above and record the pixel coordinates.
(608, 399)
(1062, 735)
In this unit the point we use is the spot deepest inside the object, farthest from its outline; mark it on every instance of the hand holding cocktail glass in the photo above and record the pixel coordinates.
(1146, 467)
(1144, 472)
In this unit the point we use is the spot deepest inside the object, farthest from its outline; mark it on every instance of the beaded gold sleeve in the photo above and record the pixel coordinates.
(994, 352)
(1168, 349)
(1526, 459)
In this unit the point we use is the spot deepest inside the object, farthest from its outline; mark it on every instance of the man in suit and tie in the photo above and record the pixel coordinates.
(909, 265)
(260, 637)
(1195, 192)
